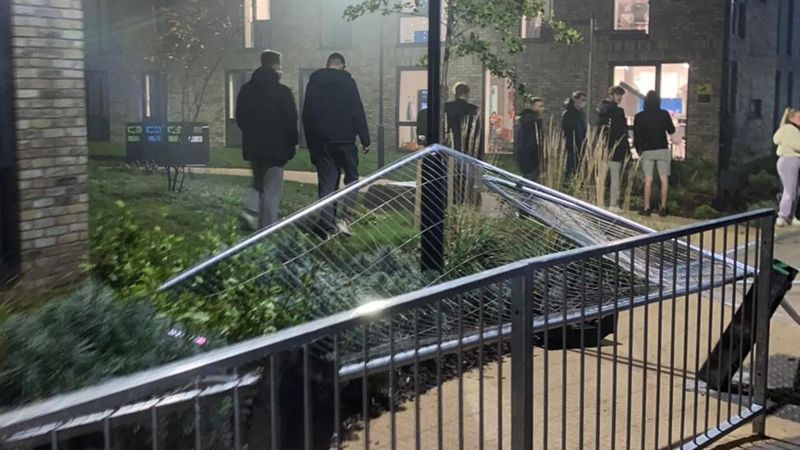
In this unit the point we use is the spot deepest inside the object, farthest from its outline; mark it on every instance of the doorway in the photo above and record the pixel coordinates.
(97, 119)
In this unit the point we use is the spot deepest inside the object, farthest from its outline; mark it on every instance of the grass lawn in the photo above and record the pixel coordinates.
(231, 158)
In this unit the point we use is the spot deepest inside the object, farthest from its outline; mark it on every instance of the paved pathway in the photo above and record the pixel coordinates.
(289, 175)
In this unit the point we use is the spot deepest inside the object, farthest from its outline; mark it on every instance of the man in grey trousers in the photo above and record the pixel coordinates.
(267, 115)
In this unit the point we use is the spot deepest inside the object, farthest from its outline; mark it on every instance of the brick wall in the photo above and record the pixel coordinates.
(47, 41)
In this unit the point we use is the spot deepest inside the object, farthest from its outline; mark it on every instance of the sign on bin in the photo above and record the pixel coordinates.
(172, 145)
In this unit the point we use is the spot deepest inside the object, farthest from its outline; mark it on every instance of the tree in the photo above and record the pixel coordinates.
(488, 30)
(194, 35)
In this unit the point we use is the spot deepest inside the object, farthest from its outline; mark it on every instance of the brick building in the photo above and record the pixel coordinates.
(725, 68)
(43, 152)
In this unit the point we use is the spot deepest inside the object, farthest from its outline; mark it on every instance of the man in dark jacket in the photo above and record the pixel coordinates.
(333, 116)
(267, 115)
(463, 123)
(650, 130)
(573, 124)
(614, 125)
(528, 140)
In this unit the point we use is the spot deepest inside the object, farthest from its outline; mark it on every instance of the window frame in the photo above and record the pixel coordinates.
(615, 21)
(548, 10)
(404, 123)
(249, 39)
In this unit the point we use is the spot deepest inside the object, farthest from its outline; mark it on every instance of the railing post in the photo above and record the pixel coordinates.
(762, 309)
(522, 363)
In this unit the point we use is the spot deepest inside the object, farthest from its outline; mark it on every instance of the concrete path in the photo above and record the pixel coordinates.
(289, 175)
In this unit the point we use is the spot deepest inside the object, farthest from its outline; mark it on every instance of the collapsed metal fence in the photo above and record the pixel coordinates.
(534, 368)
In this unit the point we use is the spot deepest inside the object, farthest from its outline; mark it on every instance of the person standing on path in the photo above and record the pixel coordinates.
(615, 126)
(573, 125)
(267, 115)
(787, 138)
(333, 116)
(528, 140)
(650, 130)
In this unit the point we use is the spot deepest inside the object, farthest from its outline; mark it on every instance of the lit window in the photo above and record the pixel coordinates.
(632, 15)
(154, 96)
(532, 28)
(413, 99)
(256, 13)
(499, 114)
(414, 23)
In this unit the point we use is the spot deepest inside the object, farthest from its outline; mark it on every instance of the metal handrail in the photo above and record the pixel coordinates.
(132, 388)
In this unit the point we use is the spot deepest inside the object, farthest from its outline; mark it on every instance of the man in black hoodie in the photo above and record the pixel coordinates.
(463, 124)
(333, 116)
(614, 125)
(267, 115)
(528, 140)
(573, 125)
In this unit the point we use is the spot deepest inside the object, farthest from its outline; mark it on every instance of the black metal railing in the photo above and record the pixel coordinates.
(674, 354)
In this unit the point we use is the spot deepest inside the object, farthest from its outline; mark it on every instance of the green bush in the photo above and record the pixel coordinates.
(80, 340)
(705, 212)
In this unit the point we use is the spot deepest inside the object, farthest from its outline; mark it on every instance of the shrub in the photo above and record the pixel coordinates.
(80, 340)
(705, 212)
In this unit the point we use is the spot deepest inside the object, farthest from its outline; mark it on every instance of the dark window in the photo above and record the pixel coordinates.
(790, 90)
(734, 95)
(337, 33)
(97, 120)
(790, 28)
(755, 109)
(776, 113)
(779, 29)
(743, 20)
(734, 16)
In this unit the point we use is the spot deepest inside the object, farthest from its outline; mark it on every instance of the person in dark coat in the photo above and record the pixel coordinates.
(528, 140)
(333, 117)
(573, 125)
(267, 115)
(650, 130)
(463, 123)
(614, 125)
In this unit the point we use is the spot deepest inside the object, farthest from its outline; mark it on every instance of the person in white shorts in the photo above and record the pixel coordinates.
(650, 130)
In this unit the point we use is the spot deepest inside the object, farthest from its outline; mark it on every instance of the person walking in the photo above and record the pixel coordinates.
(463, 124)
(333, 116)
(787, 138)
(573, 125)
(267, 115)
(614, 125)
(528, 140)
(650, 130)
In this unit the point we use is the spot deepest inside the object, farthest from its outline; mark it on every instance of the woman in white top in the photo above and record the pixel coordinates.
(787, 138)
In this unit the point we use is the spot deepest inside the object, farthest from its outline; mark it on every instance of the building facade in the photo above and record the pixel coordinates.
(44, 155)
(725, 68)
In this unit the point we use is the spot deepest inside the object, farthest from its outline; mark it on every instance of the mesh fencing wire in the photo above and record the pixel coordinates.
(362, 245)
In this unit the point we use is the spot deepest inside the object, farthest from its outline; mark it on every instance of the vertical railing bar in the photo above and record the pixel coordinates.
(365, 384)
(274, 404)
(439, 381)
(710, 327)
(742, 307)
(522, 363)
(614, 370)
(154, 428)
(672, 341)
(582, 376)
(392, 394)
(722, 308)
(733, 321)
(500, 320)
(54, 439)
(687, 300)
(599, 368)
(198, 424)
(237, 413)
(417, 423)
(107, 433)
(631, 319)
(564, 307)
(699, 336)
(482, 349)
(337, 398)
(659, 341)
(754, 286)
(307, 394)
(460, 357)
(645, 348)
(763, 321)
(546, 381)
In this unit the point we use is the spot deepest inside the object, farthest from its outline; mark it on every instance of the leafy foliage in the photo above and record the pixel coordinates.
(80, 340)
(488, 31)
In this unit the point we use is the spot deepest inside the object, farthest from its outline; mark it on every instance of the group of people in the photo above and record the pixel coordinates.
(650, 142)
(333, 119)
